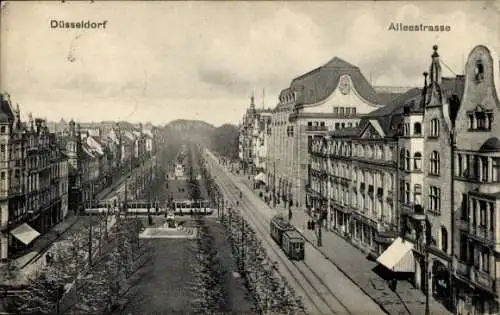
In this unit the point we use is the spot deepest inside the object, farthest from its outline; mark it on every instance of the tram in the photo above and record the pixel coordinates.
(187, 207)
(285, 235)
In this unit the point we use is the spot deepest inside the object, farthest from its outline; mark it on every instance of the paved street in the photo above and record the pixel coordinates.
(347, 293)
(354, 264)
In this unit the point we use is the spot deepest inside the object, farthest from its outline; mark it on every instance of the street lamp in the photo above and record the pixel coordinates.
(427, 271)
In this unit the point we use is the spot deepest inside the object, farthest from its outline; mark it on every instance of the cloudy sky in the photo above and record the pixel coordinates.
(159, 61)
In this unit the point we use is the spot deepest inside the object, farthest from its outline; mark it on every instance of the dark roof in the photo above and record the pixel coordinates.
(319, 83)
(347, 132)
(453, 90)
(387, 97)
(6, 114)
(490, 145)
(396, 105)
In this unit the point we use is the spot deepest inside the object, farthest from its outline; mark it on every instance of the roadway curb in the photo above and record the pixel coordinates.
(345, 273)
(338, 267)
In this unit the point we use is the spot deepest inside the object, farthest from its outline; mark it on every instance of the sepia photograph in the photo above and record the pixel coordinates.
(250, 157)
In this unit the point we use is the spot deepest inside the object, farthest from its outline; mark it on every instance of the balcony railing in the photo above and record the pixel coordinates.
(416, 211)
(478, 232)
(463, 269)
(483, 279)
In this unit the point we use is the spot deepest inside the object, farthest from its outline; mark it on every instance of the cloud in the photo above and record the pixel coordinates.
(266, 54)
(159, 60)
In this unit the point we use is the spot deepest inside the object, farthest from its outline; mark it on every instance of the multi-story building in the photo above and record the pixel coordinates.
(353, 178)
(12, 177)
(476, 198)
(391, 175)
(253, 139)
(330, 97)
(259, 140)
(33, 178)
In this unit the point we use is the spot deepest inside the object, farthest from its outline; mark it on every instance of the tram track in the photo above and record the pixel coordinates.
(320, 297)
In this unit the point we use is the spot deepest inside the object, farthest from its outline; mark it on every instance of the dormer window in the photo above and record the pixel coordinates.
(479, 71)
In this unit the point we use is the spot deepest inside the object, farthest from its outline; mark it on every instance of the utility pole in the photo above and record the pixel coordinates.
(320, 241)
(274, 183)
(242, 245)
(427, 276)
(90, 245)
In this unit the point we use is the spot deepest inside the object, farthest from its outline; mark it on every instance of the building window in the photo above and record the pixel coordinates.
(485, 259)
(434, 130)
(496, 170)
(417, 129)
(444, 239)
(402, 159)
(464, 214)
(480, 119)
(407, 160)
(434, 199)
(417, 161)
(479, 71)
(407, 193)
(434, 163)
(2, 129)
(463, 248)
(417, 194)
(482, 213)
(353, 111)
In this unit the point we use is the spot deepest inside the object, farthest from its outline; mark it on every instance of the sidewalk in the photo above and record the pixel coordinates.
(354, 264)
(36, 258)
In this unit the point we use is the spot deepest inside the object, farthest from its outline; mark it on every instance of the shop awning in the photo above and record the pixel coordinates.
(398, 257)
(261, 177)
(25, 233)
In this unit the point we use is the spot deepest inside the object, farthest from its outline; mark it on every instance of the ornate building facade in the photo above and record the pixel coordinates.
(476, 192)
(33, 181)
(330, 97)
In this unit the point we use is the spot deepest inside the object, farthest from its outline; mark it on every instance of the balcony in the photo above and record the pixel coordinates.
(316, 128)
(480, 233)
(483, 279)
(463, 269)
(414, 210)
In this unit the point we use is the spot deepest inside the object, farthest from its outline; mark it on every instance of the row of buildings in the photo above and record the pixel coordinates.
(46, 172)
(412, 178)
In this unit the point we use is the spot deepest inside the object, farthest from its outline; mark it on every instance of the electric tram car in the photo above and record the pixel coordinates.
(188, 207)
(285, 235)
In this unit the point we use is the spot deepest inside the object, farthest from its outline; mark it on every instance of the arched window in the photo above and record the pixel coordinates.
(417, 129)
(380, 152)
(407, 160)
(417, 161)
(444, 239)
(434, 165)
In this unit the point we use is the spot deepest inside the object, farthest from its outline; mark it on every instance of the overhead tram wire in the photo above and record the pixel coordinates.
(448, 67)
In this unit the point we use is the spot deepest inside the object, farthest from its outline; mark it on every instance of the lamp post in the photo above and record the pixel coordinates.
(427, 272)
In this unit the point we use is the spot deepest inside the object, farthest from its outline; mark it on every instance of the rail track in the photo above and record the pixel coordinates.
(318, 297)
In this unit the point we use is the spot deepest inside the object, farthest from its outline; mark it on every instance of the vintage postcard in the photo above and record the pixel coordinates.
(250, 157)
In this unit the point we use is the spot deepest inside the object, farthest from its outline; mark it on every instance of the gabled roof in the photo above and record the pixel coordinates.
(94, 146)
(6, 111)
(318, 84)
